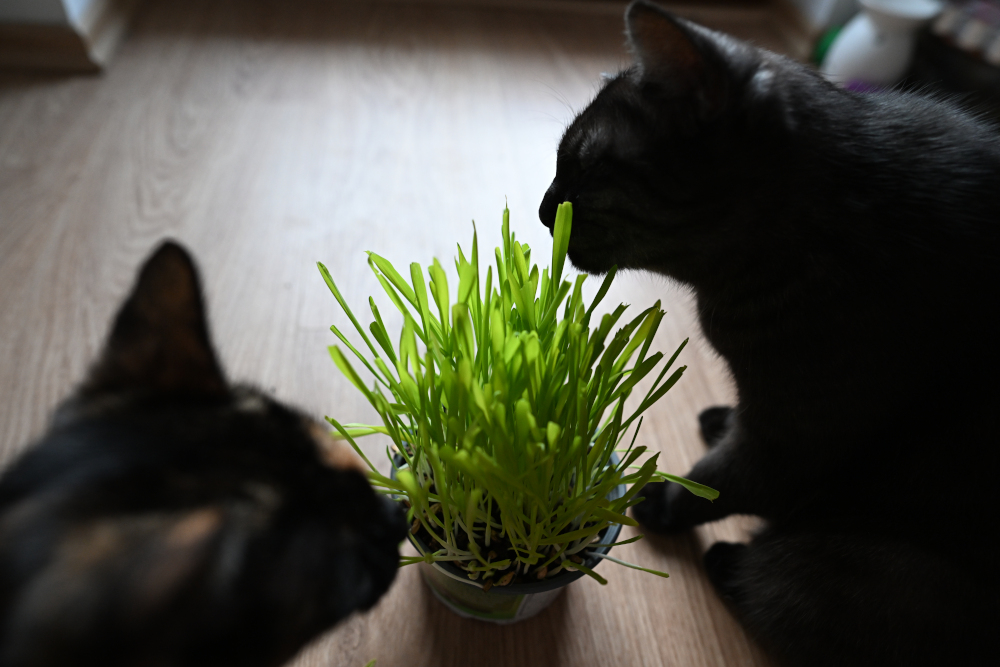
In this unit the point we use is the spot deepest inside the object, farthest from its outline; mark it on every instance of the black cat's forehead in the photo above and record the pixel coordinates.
(241, 399)
(611, 122)
(587, 142)
(245, 408)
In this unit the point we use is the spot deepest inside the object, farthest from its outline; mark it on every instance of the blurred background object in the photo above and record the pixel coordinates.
(959, 55)
(67, 35)
(972, 27)
(821, 15)
(876, 47)
(949, 48)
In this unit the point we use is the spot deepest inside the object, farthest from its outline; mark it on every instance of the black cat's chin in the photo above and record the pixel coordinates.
(596, 243)
(593, 246)
(590, 261)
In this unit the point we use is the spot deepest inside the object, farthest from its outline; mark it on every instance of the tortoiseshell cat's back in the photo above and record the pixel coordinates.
(844, 253)
(170, 518)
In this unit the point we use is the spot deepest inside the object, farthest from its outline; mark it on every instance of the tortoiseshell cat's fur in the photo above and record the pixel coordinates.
(844, 253)
(168, 518)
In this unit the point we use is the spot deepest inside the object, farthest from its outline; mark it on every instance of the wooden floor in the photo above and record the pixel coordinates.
(269, 135)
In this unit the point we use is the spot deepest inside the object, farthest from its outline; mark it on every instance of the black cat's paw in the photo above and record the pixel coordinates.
(715, 423)
(657, 513)
(722, 563)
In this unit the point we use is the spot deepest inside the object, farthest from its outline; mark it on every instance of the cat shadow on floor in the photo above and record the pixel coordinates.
(686, 548)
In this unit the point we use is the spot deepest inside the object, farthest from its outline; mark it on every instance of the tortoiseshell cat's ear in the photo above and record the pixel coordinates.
(675, 57)
(159, 343)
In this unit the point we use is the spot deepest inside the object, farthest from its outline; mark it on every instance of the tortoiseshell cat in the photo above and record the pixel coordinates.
(171, 519)
(844, 252)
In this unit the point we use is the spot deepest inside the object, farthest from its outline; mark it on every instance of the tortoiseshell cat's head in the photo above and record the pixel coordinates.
(669, 162)
(170, 518)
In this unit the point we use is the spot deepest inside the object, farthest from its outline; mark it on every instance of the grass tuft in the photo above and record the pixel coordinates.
(506, 406)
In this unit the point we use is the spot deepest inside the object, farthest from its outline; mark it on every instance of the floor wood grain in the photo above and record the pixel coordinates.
(269, 135)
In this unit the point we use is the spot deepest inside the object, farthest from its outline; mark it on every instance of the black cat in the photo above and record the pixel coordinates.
(171, 519)
(844, 252)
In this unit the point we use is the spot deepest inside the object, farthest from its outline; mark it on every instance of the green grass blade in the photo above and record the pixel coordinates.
(345, 367)
(560, 240)
(586, 570)
(361, 358)
(631, 565)
(605, 286)
(697, 489)
(617, 544)
(328, 279)
(387, 269)
(347, 436)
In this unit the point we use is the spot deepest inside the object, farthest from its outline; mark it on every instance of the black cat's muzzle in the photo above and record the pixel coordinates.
(370, 555)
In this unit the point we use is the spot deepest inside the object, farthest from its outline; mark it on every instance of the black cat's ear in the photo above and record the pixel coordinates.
(159, 343)
(675, 57)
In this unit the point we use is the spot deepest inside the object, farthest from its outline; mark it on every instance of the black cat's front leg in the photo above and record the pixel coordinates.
(728, 468)
(716, 423)
(823, 597)
(722, 564)
(670, 508)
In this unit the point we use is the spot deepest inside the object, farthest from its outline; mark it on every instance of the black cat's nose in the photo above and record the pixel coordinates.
(550, 203)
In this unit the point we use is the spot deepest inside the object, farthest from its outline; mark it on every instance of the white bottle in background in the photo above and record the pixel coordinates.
(876, 46)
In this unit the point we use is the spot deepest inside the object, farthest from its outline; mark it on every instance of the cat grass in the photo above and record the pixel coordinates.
(505, 406)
